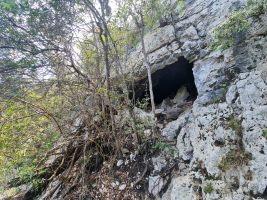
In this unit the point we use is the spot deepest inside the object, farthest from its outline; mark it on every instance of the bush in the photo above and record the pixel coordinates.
(208, 188)
(26, 135)
(235, 125)
(165, 148)
(224, 34)
(234, 158)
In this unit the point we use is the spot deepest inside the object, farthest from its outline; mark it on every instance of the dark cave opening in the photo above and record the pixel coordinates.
(167, 81)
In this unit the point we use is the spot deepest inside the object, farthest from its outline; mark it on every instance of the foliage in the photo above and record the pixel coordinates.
(235, 125)
(143, 104)
(249, 175)
(234, 158)
(208, 188)
(265, 133)
(40, 36)
(31, 35)
(151, 10)
(165, 148)
(11, 192)
(26, 135)
(224, 34)
(181, 5)
(256, 7)
(123, 37)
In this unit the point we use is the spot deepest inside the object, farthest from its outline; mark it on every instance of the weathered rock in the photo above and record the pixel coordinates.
(119, 163)
(232, 89)
(181, 95)
(159, 163)
(159, 38)
(159, 112)
(180, 189)
(250, 99)
(166, 103)
(155, 184)
(189, 34)
(172, 129)
(173, 113)
(229, 114)
(122, 187)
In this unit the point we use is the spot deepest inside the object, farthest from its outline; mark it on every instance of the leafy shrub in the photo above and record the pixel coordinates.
(144, 103)
(26, 135)
(165, 148)
(11, 192)
(224, 34)
(234, 158)
(208, 188)
(235, 125)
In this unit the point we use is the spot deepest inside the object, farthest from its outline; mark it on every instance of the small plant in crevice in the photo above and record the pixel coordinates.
(144, 103)
(234, 158)
(265, 133)
(224, 34)
(165, 148)
(181, 6)
(217, 99)
(208, 188)
(235, 125)
(237, 156)
(221, 97)
(249, 175)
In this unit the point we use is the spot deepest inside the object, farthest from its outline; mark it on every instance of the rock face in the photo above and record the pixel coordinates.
(222, 136)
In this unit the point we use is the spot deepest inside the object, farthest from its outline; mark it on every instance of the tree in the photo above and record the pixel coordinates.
(100, 19)
(146, 15)
(79, 45)
(139, 11)
(36, 36)
(28, 130)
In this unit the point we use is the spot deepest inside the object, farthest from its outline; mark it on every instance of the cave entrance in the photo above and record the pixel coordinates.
(167, 81)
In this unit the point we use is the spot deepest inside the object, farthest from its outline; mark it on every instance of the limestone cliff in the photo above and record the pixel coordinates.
(222, 136)
(211, 111)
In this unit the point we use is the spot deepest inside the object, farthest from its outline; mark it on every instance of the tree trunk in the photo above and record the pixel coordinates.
(105, 44)
(147, 65)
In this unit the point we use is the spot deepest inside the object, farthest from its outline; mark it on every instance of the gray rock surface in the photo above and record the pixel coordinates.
(155, 184)
(232, 89)
(180, 189)
(181, 95)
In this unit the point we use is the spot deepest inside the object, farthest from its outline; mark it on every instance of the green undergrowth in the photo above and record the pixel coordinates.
(265, 133)
(27, 133)
(237, 156)
(234, 158)
(224, 34)
(165, 148)
(208, 188)
(235, 125)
